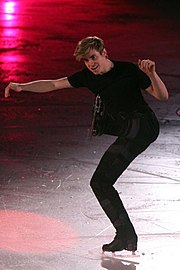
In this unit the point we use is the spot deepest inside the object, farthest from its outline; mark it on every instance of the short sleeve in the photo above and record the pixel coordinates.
(144, 80)
(77, 79)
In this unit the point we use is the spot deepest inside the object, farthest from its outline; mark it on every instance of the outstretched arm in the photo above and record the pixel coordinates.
(157, 88)
(40, 86)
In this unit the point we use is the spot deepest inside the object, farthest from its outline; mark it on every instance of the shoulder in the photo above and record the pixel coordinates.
(79, 78)
(125, 65)
(83, 72)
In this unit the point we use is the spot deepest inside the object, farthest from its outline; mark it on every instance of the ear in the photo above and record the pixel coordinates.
(104, 53)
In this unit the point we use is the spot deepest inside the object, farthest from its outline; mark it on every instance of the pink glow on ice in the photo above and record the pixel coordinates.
(28, 232)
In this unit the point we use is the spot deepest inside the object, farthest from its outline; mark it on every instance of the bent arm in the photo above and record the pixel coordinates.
(157, 88)
(40, 86)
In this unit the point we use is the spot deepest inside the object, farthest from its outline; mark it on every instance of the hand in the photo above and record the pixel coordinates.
(147, 66)
(11, 86)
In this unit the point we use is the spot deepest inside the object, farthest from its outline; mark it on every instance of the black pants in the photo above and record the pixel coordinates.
(139, 132)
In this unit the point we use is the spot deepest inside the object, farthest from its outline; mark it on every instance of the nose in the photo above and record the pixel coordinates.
(90, 62)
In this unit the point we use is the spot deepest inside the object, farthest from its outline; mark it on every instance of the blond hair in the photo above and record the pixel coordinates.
(85, 45)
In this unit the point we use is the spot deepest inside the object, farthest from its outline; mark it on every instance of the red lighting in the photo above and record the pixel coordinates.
(9, 10)
(10, 57)
(26, 232)
(9, 7)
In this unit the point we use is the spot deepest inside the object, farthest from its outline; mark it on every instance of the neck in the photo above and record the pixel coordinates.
(109, 66)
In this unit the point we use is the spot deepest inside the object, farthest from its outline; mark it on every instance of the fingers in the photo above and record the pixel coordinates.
(146, 65)
(7, 90)
(11, 86)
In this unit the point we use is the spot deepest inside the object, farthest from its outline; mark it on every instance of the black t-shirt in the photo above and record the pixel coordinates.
(120, 88)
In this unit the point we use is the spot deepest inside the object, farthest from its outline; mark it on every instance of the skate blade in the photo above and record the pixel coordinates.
(126, 256)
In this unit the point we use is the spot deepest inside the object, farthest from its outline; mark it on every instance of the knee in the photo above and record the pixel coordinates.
(95, 185)
(99, 185)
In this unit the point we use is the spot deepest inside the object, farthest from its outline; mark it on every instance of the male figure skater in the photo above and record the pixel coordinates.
(119, 85)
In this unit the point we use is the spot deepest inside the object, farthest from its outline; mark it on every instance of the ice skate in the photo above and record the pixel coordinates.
(116, 245)
(122, 250)
(121, 243)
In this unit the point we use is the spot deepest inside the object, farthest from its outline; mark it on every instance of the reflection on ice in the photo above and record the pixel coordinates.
(113, 264)
(9, 10)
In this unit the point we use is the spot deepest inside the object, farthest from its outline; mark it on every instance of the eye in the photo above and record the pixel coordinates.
(93, 57)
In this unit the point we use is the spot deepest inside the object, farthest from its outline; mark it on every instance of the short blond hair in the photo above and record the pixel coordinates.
(86, 44)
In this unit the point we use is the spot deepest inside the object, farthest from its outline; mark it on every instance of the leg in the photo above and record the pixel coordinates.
(115, 160)
(111, 166)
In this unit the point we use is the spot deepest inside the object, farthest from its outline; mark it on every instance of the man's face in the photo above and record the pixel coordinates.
(96, 62)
